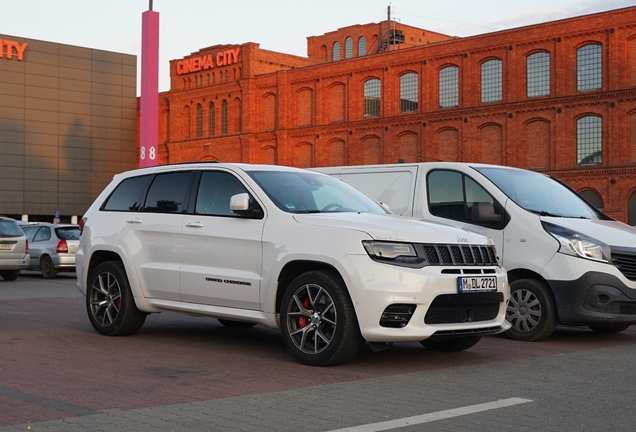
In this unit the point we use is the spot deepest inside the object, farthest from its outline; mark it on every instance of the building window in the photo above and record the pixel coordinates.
(593, 198)
(589, 140)
(199, 120)
(186, 114)
(408, 92)
(372, 98)
(491, 81)
(448, 87)
(336, 51)
(362, 46)
(224, 117)
(538, 74)
(589, 67)
(212, 120)
(348, 48)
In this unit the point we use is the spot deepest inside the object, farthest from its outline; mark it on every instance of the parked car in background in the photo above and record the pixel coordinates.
(14, 249)
(52, 247)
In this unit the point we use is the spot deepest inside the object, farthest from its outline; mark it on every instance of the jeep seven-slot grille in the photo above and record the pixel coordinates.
(455, 255)
(625, 261)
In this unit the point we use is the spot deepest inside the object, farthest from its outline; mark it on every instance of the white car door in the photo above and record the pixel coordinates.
(153, 235)
(221, 255)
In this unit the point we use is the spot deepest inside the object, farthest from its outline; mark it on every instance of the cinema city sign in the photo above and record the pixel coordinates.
(210, 61)
(10, 46)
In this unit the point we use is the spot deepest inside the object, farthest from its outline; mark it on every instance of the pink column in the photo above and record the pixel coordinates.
(149, 104)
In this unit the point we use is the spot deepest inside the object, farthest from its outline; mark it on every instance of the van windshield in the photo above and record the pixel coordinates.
(538, 193)
(307, 192)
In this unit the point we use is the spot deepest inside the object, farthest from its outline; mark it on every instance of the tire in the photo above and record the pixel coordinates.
(10, 275)
(236, 324)
(531, 311)
(610, 329)
(318, 322)
(109, 301)
(451, 344)
(47, 268)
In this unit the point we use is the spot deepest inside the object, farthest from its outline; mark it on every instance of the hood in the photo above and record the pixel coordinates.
(611, 232)
(393, 228)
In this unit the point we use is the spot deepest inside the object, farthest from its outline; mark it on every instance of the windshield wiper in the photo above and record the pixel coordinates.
(306, 211)
(543, 213)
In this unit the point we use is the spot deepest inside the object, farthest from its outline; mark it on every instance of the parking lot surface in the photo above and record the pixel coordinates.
(182, 373)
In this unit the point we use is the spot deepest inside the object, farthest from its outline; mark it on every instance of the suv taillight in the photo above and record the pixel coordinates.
(62, 247)
(82, 222)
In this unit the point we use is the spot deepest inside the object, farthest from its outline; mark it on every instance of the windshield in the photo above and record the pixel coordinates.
(538, 193)
(307, 192)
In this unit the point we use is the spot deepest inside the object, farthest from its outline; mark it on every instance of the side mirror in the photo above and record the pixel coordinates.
(240, 204)
(484, 213)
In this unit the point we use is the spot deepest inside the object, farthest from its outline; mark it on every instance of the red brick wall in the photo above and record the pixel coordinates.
(306, 112)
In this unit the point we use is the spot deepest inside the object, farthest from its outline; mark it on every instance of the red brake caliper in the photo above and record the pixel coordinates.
(302, 321)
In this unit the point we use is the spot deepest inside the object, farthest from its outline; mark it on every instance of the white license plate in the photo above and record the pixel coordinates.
(477, 284)
(5, 246)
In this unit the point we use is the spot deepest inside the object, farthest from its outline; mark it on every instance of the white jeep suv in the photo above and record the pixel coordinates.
(286, 248)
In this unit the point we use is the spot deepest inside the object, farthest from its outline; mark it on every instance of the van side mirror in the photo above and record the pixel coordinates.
(484, 213)
(240, 204)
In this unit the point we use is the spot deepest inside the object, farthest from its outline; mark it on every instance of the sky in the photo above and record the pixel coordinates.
(186, 26)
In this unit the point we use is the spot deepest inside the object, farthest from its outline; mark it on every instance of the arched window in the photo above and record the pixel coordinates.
(224, 117)
(212, 120)
(336, 51)
(593, 198)
(631, 208)
(448, 87)
(589, 67)
(589, 140)
(408, 92)
(372, 98)
(538, 74)
(491, 81)
(199, 120)
(348, 48)
(362, 46)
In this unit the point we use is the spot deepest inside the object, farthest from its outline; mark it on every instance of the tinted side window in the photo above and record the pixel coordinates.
(168, 193)
(128, 195)
(70, 233)
(453, 195)
(216, 188)
(30, 232)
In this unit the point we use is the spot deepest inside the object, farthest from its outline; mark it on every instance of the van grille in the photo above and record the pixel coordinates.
(455, 255)
(625, 261)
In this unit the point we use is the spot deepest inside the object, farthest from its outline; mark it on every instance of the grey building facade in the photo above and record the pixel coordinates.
(68, 123)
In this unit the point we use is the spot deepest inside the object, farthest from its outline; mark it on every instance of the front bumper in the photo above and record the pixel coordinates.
(439, 309)
(594, 299)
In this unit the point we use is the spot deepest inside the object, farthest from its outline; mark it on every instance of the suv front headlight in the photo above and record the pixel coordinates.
(403, 254)
(576, 244)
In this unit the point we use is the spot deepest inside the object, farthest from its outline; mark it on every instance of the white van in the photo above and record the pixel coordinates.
(567, 262)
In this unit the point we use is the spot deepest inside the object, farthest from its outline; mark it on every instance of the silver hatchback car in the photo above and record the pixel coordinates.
(52, 247)
(14, 249)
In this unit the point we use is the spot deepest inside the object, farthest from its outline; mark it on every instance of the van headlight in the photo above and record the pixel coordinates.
(576, 244)
(403, 254)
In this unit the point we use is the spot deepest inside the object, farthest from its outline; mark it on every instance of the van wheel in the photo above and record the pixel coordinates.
(531, 311)
(318, 322)
(452, 344)
(10, 275)
(235, 324)
(610, 329)
(47, 268)
(110, 303)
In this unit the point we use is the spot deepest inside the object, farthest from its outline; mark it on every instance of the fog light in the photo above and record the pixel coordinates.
(397, 315)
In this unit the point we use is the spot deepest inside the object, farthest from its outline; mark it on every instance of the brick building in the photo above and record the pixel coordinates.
(556, 97)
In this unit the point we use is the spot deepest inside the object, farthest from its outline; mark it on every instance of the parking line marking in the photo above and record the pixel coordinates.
(434, 416)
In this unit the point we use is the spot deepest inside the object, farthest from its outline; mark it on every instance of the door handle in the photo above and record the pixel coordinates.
(134, 221)
(196, 224)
